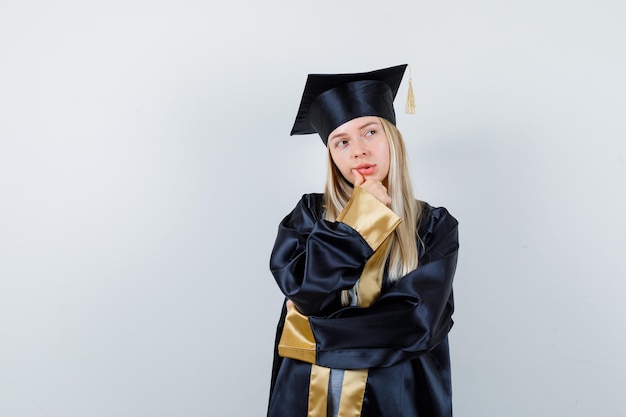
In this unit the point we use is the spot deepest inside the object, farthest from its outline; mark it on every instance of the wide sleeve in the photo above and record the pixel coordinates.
(411, 317)
(314, 259)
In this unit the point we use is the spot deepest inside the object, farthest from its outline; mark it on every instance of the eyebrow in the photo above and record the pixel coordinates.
(339, 135)
(368, 124)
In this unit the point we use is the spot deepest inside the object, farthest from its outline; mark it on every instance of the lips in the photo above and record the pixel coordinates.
(366, 169)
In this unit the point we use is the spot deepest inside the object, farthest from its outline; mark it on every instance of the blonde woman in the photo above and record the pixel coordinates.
(366, 268)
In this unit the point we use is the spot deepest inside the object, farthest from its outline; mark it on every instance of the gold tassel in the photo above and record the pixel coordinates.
(410, 98)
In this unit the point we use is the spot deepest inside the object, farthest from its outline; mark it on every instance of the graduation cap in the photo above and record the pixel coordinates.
(330, 100)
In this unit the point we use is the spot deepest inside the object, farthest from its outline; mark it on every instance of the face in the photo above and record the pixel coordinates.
(360, 144)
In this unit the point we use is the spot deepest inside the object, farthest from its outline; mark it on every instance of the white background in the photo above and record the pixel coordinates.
(145, 162)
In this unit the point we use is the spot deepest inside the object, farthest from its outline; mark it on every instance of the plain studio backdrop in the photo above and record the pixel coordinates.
(145, 163)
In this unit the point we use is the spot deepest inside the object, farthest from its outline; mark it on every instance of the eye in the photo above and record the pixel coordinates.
(341, 143)
(370, 132)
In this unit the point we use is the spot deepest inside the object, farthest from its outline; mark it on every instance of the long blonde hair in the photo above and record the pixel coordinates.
(402, 256)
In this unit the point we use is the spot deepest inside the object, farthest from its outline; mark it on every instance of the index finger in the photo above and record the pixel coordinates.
(359, 179)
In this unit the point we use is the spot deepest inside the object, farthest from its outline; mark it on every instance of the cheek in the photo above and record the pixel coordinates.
(346, 171)
(338, 160)
(344, 168)
(385, 154)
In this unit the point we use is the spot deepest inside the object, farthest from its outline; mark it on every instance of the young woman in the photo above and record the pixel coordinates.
(366, 269)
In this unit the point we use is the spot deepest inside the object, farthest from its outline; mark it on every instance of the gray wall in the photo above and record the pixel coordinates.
(145, 162)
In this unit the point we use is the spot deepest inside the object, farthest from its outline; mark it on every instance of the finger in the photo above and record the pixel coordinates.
(358, 178)
(378, 190)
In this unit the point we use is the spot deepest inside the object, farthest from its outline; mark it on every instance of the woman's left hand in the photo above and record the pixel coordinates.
(374, 187)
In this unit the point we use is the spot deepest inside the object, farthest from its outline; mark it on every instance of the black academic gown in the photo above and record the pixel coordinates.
(402, 339)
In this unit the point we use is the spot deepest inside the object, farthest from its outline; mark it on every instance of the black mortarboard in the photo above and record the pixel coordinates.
(330, 100)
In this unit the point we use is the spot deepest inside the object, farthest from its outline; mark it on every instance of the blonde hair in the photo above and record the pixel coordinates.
(401, 257)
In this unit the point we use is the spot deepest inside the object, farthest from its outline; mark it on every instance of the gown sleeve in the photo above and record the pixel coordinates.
(413, 316)
(307, 263)
(314, 259)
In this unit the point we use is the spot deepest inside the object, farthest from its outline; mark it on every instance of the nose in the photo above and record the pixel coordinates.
(358, 149)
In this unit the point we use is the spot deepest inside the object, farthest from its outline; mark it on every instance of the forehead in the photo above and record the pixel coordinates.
(355, 124)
